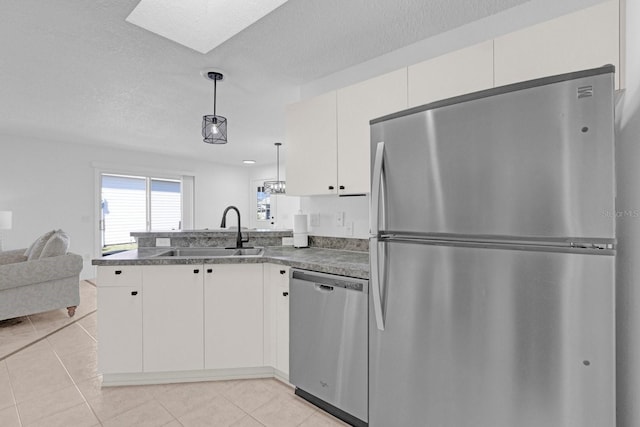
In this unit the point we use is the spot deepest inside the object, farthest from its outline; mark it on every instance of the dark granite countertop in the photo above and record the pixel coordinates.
(332, 261)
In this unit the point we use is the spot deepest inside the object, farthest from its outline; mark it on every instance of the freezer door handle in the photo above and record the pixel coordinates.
(376, 189)
(376, 287)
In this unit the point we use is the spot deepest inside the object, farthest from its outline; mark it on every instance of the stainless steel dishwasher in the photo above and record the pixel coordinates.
(328, 361)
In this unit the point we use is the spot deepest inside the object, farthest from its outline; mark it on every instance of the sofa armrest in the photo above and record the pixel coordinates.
(15, 255)
(39, 270)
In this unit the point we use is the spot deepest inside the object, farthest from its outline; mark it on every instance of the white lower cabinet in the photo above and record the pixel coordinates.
(281, 280)
(119, 319)
(119, 329)
(233, 319)
(172, 317)
(162, 321)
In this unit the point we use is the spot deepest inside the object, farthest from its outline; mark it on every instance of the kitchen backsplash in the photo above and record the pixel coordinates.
(345, 244)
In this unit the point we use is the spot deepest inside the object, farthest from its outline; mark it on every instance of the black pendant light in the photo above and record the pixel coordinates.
(214, 128)
(277, 186)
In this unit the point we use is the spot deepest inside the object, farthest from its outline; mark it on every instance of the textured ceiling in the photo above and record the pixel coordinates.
(75, 70)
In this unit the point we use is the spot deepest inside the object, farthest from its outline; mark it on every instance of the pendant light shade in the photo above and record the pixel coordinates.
(214, 127)
(277, 186)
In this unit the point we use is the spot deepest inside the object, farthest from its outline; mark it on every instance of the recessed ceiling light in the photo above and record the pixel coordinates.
(248, 162)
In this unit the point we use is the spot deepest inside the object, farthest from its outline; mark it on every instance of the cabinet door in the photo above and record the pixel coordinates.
(462, 71)
(281, 281)
(172, 317)
(311, 138)
(119, 329)
(357, 105)
(233, 297)
(585, 39)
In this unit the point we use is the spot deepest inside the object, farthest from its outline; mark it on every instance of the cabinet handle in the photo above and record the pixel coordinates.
(285, 294)
(118, 271)
(331, 187)
(134, 293)
(283, 271)
(209, 270)
(196, 271)
(341, 187)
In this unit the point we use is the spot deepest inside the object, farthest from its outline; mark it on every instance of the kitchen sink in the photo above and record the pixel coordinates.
(211, 252)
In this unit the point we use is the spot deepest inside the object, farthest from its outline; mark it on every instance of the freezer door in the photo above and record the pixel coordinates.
(531, 162)
(493, 338)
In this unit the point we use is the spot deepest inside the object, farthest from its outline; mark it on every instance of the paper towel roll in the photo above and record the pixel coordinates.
(300, 223)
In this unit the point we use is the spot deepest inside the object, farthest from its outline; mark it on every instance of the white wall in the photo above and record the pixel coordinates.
(51, 185)
(628, 229)
(356, 211)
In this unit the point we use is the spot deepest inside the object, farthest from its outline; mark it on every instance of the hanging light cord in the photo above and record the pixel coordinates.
(278, 163)
(214, 96)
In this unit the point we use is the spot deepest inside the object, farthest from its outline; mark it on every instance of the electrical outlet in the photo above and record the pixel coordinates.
(340, 219)
(348, 229)
(163, 242)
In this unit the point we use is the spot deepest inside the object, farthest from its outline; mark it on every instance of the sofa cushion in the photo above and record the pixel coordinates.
(34, 251)
(57, 245)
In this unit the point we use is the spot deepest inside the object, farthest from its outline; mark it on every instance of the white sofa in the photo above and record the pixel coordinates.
(41, 278)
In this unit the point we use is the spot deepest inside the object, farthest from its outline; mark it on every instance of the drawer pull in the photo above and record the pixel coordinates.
(283, 271)
(196, 271)
(341, 187)
(209, 270)
(331, 187)
(134, 293)
(285, 294)
(118, 271)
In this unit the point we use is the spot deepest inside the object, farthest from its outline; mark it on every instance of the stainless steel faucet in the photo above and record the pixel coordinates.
(223, 224)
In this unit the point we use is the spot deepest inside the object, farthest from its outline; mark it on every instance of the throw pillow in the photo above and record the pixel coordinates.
(36, 247)
(57, 245)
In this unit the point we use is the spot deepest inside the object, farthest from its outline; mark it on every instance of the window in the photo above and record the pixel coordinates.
(137, 203)
(264, 204)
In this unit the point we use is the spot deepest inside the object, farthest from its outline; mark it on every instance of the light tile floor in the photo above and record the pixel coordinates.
(54, 382)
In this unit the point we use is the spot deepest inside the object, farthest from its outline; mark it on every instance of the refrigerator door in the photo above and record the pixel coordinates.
(493, 338)
(532, 159)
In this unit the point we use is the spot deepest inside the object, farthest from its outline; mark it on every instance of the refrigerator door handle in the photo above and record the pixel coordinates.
(375, 282)
(376, 189)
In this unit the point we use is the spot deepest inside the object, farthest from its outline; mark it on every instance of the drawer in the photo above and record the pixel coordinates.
(114, 275)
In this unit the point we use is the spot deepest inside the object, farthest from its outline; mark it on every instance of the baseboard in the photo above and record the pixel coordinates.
(145, 378)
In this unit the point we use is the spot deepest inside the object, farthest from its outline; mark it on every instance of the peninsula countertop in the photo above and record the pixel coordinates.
(332, 261)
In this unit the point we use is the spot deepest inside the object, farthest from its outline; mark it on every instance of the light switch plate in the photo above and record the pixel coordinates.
(340, 219)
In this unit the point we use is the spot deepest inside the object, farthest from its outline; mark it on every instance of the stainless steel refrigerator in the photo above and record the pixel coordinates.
(492, 258)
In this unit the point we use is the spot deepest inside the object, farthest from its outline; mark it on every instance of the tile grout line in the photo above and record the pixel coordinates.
(13, 395)
(46, 336)
(52, 332)
(73, 381)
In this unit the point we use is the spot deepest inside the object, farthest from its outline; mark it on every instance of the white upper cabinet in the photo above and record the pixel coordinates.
(311, 138)
(585, 39)
(357, 105)
(456, 73)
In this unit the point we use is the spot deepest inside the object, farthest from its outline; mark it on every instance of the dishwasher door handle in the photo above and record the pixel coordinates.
(323, 288)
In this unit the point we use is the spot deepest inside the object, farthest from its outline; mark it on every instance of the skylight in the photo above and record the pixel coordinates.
(200, 24)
